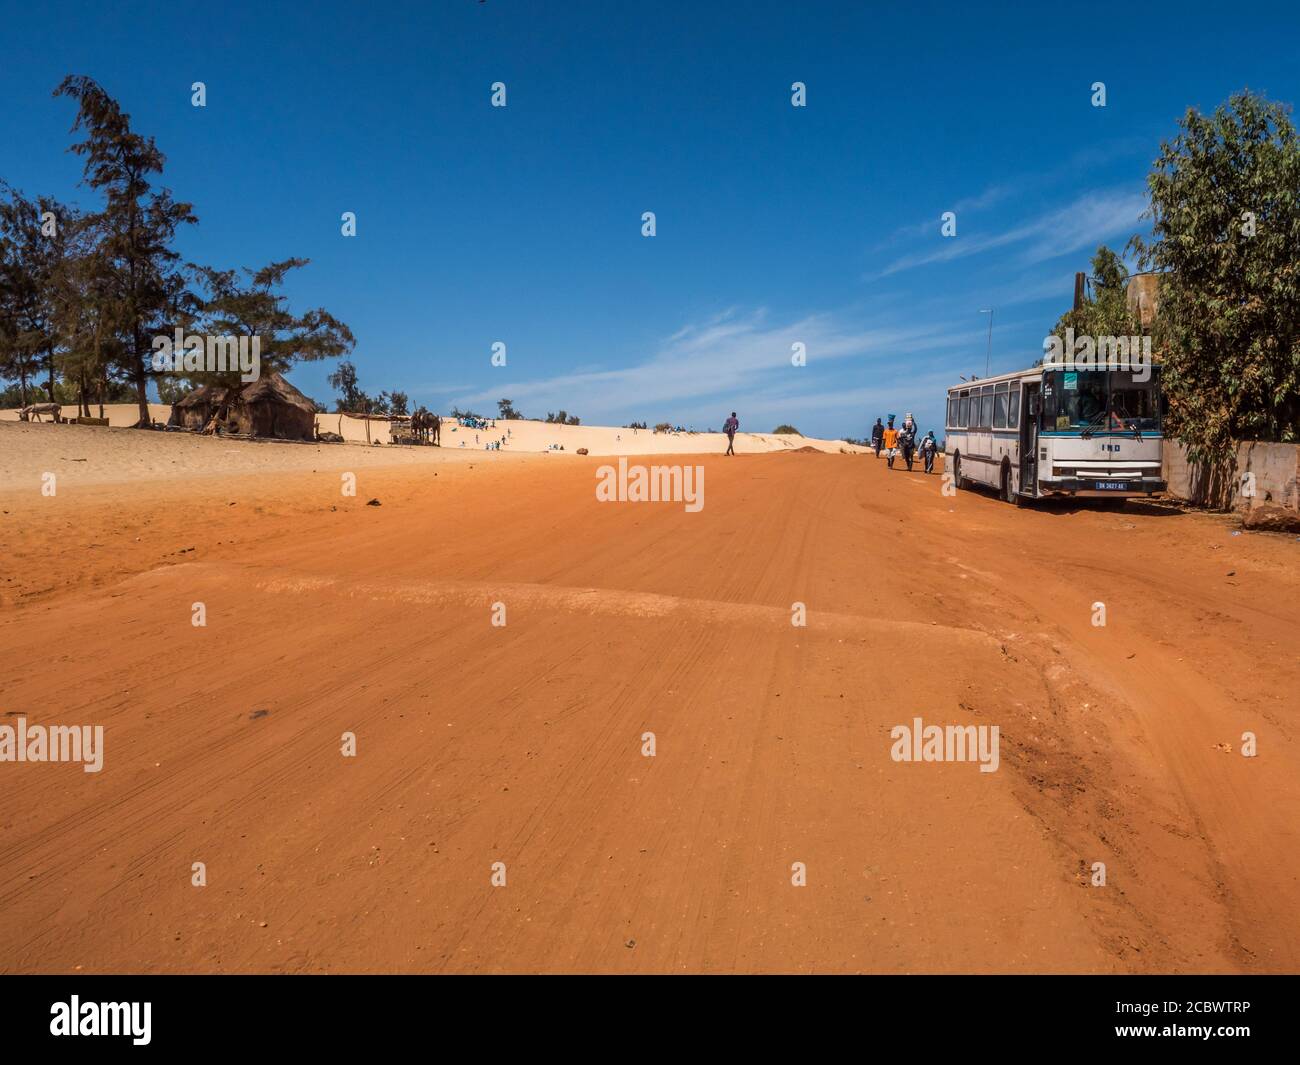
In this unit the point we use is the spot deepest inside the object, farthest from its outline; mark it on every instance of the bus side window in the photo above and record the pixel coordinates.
(986, 407)
(1000, 407)
(1013, 411)
(963, 416)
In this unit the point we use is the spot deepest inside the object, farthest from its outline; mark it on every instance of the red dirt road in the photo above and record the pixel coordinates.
(522, 744)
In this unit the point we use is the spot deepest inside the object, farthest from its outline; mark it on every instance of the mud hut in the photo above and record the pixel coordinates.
(196, 410)
(269, 407)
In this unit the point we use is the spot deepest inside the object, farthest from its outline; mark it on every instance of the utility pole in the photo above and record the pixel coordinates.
(989, 354)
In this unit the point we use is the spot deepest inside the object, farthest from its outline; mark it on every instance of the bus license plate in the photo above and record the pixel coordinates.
(1112, 486)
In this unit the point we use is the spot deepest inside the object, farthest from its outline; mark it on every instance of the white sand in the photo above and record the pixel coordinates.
(531, 436)
(89, 455)
(520, 436)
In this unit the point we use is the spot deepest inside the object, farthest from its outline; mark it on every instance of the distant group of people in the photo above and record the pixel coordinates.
(903, 441)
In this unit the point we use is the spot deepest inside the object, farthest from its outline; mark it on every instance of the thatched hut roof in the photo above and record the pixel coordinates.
(269, 406)
(272, 387)
(203, 396)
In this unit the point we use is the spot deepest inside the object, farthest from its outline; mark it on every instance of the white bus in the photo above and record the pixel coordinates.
(1049, 431)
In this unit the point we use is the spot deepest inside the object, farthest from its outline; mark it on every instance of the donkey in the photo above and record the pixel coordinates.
(34, 411)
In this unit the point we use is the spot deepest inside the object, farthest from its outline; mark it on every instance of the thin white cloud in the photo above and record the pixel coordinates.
(728, 355)
(1087, 220)
(1080, 161)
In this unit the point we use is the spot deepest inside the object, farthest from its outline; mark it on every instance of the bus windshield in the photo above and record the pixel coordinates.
(1135, 404)
(1090, 401)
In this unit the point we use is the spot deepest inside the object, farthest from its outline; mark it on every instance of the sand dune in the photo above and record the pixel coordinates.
(524, 435)
(532, 436)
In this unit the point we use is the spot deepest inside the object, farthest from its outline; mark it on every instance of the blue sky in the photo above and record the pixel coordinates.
(776, 224)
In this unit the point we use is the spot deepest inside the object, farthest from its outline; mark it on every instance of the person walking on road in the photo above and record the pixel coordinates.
(907, 442)
(890, 436)
(877, 437)
(929, 447)
(729, 427)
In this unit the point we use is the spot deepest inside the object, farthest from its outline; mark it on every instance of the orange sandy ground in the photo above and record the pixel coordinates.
(522, 744)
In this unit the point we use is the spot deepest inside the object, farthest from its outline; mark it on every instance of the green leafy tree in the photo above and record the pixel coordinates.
(84, 337)
(344, 381)
(14, 395)
(170, 389)
(17, 295)
(399, 403)
(1226, 237)
(1105, 310)
(252, 306)
(138, 226)
(506, 409)
(32, 258)
(787, 430)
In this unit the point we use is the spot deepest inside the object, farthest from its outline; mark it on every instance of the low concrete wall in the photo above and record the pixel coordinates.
(1274, 467)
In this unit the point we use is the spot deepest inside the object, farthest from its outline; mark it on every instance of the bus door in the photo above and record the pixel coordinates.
(1029, 408)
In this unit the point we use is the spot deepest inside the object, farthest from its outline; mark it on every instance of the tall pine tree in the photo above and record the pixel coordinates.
(137, 227)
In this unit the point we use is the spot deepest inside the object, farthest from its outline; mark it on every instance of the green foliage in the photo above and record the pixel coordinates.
(354, 400)
(231, 306)
(344, 380)
(563, 418)
(15, 395)
(29, 262)
(1105, 311)
(506, 409)
(170, 389)
(141, 288)
(83, 295)
(1228, 329)
(787, 430)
